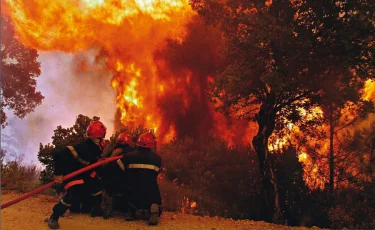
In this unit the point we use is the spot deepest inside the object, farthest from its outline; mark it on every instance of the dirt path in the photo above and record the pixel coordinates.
(30, 214)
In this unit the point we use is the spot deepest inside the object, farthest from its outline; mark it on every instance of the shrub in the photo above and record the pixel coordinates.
(293, 190)
(224, 180)
(19, 176)
(353, 209)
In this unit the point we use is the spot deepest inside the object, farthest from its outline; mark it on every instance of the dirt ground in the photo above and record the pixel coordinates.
(31, 214)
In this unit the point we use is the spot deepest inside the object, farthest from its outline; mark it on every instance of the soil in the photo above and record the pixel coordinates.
(32, 213)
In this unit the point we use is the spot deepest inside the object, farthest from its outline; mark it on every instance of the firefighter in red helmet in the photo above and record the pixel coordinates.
(141, 168)
(113, 179)
(72, 158)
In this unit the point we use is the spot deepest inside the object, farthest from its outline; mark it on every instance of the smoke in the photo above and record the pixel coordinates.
(187, 107)
(157, 57)
(190, 63)
(72, 85)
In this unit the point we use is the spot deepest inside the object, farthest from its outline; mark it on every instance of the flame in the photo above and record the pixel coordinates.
(302, 157)
(127, 34)
(316, 171)
(127, 31)
(369, 90)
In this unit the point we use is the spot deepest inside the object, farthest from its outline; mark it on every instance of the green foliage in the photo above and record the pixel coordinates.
(294, 50)
(19, 68)
(289, 55)
(225, 180)
(45, 157)
(17, 175)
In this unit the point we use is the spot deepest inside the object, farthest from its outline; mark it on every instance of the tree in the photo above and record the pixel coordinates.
(19, 68)
(219, 175)
(330, 161)
(293, 190)
(284, 56)
(360, 145)
(356, 194)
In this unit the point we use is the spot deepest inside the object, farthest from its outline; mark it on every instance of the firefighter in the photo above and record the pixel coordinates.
(113, 179)
(72, 158)
(141, 170)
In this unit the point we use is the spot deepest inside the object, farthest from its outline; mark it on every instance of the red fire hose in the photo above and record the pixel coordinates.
(73, 174)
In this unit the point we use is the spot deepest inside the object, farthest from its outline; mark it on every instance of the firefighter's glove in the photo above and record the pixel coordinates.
(58, 179)
(116, 152)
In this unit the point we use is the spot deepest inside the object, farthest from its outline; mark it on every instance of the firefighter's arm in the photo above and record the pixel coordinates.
(107, 151)
(60, 159)
(117, 152)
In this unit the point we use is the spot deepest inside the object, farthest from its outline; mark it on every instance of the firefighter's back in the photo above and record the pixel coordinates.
(142, 169)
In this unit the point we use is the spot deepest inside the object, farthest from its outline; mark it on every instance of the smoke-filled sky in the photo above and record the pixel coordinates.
(72, 85)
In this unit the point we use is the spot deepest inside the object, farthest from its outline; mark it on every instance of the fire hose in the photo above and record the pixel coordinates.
(46, 186)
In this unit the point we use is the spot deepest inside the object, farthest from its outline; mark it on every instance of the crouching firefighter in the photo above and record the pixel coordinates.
(141, 169)
(113, 178)
(72, 158)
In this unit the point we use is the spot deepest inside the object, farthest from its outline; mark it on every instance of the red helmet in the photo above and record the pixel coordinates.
(124, 138)
(146, 140)
(96, 129)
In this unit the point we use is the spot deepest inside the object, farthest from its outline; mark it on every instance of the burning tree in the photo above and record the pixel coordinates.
(19, 68)
(285, 57)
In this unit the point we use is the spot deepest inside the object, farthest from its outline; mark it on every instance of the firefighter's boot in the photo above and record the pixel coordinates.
(58, 210)
(130, 215)
(97, 209)
(154, 215)
(108, 208)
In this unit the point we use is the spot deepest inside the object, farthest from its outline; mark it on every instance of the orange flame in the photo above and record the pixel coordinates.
(128, 32)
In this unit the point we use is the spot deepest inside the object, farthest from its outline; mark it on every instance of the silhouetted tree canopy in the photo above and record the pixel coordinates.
(19, 70)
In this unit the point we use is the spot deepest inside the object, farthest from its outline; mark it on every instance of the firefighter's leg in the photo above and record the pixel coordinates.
(130, 214)
(60, 208)
(112, 185)
(154, 214)
(108, 205)
(96, 192)
(155, 208)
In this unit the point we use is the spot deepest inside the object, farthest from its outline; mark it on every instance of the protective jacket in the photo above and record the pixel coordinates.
(141, 170)
(72, 158)
(112, 174)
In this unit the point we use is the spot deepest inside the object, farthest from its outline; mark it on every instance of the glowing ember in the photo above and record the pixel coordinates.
(369, 90)
(302, 157)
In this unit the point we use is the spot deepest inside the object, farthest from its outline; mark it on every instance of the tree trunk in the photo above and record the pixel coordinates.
(266, 121)
(331, 152)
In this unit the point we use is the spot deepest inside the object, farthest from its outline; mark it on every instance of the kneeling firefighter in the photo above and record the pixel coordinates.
(113, 178)
(141, 169)
(72, 158)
